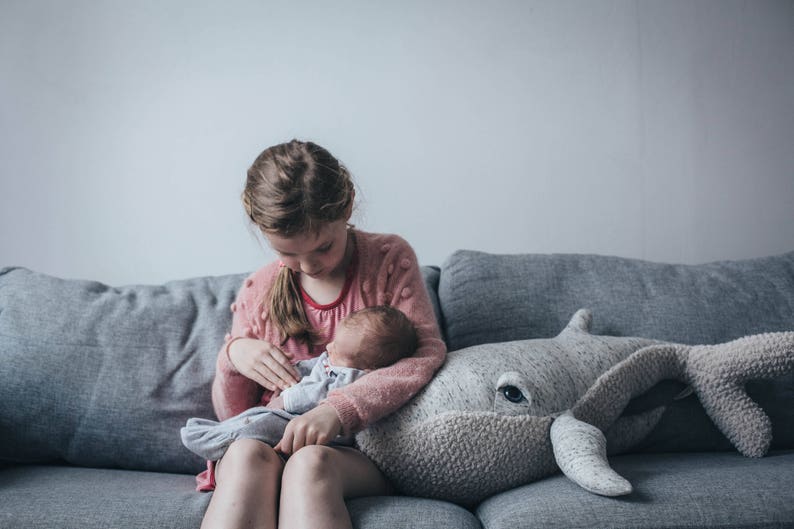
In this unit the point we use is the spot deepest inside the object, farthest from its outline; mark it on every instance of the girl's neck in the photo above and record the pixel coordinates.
(326, 290)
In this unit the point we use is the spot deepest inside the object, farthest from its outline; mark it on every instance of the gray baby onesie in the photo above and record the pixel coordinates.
(210, 439)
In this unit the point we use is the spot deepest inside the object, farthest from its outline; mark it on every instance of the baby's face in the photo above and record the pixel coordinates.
(345, 348)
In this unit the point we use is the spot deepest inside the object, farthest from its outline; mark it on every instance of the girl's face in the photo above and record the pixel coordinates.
(322, 255)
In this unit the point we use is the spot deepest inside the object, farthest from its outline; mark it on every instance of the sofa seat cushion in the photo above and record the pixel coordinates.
(36, 497)
(671, 491)
(33, 497)
(404, 512)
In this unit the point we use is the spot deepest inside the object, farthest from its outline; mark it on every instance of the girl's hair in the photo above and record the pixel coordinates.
(387, 334)
(294, 188)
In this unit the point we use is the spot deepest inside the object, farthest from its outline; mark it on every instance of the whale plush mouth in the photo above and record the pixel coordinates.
(474, 454)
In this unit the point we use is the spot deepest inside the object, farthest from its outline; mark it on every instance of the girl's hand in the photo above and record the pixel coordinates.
(264, 363)
(318, 426)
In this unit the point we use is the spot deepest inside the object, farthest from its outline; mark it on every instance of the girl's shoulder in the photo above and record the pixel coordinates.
(258, 283)
(380, 246)
(385, 255)
(373, 238)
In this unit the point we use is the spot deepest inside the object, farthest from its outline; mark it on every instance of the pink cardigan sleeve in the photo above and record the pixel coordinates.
(233, 393)
(394, 278)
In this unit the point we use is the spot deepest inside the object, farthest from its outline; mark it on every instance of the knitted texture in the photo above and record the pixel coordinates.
(580, 450)
(483, 425)
(387, 274)
(718, 375)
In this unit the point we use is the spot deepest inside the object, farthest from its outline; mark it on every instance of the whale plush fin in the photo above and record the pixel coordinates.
(580, 452)
(581, 321)
(606, 399)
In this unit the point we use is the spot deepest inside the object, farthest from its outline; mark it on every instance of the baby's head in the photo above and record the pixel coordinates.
(372, 338)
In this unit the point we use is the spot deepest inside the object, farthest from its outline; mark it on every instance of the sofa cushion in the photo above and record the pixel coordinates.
(495, 298)
(100, 376)
(46, 497)
(405, 512)
(671, 491)
(81, 498)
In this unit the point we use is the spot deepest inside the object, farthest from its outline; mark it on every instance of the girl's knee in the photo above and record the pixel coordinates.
(313, 462)
(250, 455)
(247, 487)
(334, 472)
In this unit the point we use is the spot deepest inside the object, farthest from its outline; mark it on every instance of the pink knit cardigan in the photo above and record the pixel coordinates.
(386, 272)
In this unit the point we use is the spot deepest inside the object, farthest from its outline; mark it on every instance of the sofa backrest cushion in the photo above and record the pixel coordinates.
(99, 376)
(104, 377)
(494, 298)
(487, 298)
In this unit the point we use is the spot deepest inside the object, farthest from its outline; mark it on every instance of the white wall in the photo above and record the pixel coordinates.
(661, 130)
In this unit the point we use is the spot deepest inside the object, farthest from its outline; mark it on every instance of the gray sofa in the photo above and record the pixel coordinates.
(95, 382)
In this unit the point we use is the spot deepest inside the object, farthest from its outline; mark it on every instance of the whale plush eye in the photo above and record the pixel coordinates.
(512, 393)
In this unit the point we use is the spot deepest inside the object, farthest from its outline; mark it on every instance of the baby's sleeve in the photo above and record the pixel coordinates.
(314, 388)
(311, 389)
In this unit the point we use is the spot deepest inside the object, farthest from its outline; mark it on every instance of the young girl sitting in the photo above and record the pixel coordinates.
(372, 338)
(301, 198)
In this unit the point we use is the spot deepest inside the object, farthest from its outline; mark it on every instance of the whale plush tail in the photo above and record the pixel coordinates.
(716, 373)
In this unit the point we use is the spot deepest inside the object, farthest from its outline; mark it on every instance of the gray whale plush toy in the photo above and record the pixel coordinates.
(497, 416)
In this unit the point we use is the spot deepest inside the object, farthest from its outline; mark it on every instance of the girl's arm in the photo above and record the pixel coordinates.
(248, 365)
(232, 392)
(399, 283)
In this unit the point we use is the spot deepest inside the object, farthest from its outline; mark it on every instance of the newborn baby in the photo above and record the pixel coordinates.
(365, 340)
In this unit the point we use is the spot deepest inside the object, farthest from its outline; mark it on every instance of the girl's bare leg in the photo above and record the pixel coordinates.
(246, 487)
(316, 481)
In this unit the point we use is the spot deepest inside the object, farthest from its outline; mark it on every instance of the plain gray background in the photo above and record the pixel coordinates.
(661, 130)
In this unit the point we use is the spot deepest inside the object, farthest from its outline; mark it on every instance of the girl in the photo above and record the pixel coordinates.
(301, 198)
